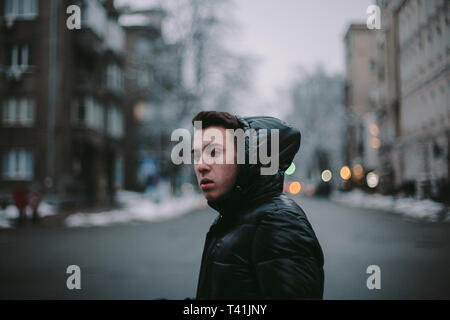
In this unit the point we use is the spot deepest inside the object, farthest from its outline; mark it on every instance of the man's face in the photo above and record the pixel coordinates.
(214, 161)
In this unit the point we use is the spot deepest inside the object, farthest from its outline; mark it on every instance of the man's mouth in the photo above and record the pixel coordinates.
(206, 184)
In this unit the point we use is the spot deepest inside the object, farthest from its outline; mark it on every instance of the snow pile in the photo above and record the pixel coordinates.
(139, 207)
(11, 212)
(408, 207)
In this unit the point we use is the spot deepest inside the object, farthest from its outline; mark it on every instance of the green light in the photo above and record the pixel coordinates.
(291, 169)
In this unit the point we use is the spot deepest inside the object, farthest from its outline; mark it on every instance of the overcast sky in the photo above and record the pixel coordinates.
(290, 33)
(286, 34)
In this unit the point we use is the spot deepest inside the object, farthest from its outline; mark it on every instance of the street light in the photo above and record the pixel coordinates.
(358, 171)
(295, 187)
(326, 175)
(291, 169)
(372, 179)
(346, 174)
(375, 143)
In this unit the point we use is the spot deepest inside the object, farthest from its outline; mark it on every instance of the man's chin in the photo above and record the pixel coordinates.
(210, 196)
(214, 196)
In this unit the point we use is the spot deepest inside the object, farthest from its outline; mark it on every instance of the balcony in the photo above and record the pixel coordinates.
(115, 37)
(94, 18)
(99, 32)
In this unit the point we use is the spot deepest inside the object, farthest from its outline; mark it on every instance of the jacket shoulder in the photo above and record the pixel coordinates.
(286, 214)
(279, 208)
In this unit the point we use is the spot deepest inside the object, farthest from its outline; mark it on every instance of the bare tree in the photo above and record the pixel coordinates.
(318, 111)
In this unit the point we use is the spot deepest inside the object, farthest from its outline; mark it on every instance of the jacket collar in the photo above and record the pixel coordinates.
(247, 194)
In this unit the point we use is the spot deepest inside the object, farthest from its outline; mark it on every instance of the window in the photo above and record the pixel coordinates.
(18, 112)
(21, 9)
(118, 172)
(143, 48)
(18, 165)
(114, 77)
(114, 122)
(143, 78)
(372, 64)
(18, 55)
(88, 112)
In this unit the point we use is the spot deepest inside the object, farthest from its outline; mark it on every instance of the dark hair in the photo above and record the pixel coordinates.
(216, 118)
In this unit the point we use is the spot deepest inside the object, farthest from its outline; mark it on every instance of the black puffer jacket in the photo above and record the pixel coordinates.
(262, 246)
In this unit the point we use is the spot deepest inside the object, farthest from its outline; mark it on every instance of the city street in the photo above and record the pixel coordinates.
(155, 260)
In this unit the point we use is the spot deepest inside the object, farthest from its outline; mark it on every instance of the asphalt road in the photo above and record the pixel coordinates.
(162, 260)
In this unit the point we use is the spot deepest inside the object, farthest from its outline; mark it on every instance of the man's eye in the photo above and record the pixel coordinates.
(215, 152)
(197, 155)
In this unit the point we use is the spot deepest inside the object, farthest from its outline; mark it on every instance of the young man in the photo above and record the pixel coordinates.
(261, 246)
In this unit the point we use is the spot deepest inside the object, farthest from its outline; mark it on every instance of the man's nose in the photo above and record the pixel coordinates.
(203, 167)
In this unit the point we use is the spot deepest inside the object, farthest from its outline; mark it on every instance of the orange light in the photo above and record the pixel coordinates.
(346, 174)
(295, 187)
(374, 130)
(139, 111)
(358, 171)
(375, 143)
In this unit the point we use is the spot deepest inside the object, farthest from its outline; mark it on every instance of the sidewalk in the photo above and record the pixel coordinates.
(425, 210)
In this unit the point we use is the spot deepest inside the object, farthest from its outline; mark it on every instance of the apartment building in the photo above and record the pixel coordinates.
(62, 123)
(414, 104)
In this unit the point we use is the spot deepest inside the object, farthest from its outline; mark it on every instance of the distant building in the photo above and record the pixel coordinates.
(360, 97)
(62, 97)
(153, 99)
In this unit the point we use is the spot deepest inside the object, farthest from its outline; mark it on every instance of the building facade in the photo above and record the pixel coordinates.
(424, 53)
(414, 104)
(62, 97)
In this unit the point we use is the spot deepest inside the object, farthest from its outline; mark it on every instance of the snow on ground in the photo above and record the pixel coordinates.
(11, 212)
(139, 207)
(408, 207)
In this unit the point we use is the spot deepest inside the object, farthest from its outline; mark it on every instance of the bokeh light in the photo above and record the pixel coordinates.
(139, 111)
(326, 175)
(372, 179)
(291, 169)
(358, 171)
(375, 143)
(346, 174)
(374, 130)
(295, 187)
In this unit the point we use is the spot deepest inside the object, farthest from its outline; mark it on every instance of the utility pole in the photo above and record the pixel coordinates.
(50, 179)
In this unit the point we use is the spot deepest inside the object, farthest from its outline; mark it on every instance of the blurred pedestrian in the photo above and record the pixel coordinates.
(21, 202)
(262, 245)
(34, 201)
